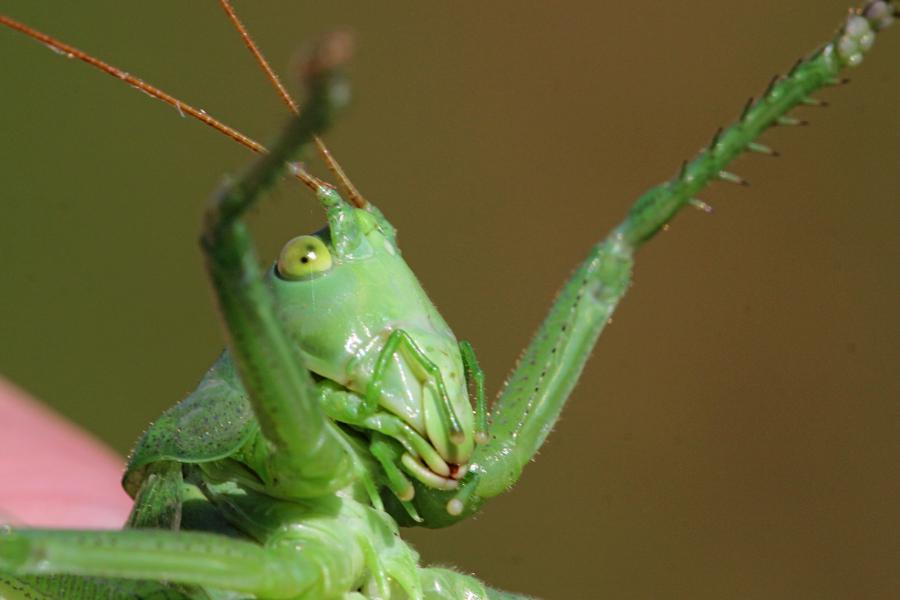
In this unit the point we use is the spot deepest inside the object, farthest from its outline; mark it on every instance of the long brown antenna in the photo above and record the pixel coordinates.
(68, 51)
(353, 194)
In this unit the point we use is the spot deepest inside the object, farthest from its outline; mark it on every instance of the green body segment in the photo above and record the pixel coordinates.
(268, 480)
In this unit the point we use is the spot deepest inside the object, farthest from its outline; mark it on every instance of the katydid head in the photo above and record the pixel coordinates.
(387, 361)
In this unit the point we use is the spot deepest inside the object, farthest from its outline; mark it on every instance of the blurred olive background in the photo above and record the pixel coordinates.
(735, 434)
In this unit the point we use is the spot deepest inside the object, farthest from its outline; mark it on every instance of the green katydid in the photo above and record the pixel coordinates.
(438, 511)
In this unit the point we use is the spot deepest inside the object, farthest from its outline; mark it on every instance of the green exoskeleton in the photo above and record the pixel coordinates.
(344, 404)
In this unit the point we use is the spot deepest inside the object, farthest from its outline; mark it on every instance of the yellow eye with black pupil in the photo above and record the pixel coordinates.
(303, 256)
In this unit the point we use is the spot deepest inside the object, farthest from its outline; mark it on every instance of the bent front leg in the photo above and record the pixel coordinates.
(305, 455)
(530, 404)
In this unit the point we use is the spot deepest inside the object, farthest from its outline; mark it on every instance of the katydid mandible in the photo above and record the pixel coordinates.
(407, 437)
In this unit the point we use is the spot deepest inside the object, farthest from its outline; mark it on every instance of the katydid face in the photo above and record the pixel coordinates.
(341, 310)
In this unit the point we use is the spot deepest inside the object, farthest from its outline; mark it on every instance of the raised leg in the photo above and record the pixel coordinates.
(306, 457)
(537, 389)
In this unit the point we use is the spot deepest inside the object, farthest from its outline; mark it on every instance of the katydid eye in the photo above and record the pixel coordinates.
(303, 256)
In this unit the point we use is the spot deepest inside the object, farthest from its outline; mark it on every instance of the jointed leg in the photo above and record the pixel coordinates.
(307, 458)
(536, 391)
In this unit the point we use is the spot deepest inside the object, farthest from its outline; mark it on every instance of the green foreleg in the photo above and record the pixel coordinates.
(306, 457)
(528, 407)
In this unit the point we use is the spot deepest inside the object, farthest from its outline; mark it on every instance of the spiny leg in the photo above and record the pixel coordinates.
(306, 457)
(537, 389)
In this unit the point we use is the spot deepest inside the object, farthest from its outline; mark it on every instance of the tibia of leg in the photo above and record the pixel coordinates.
(537, 389)
(307, 457)
(181, 557)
